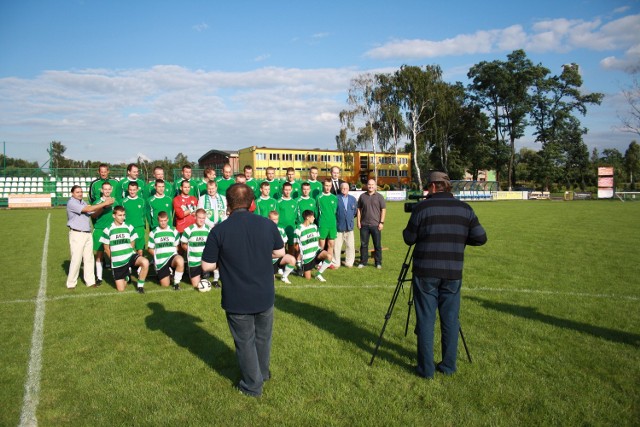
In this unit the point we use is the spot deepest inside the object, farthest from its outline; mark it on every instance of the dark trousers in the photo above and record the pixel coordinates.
(431, 294)
(365, 232)
(252, 337)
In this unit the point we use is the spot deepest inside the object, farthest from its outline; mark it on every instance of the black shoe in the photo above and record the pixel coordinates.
(98, 283)
(140, 290)
(216, 284)
(177, 287)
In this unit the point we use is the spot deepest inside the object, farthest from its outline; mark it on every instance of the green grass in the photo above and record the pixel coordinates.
(550, 312)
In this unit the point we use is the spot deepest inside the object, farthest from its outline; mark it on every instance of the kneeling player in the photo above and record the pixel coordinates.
(306, 243)
(193, 240)
(163, 246)
(119, 242)
(287, 261)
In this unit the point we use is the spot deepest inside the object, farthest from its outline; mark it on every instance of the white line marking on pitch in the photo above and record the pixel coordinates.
(32, 385)
(303, 287)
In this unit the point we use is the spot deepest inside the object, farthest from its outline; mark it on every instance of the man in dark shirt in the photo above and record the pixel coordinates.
(243, 247)
(440, 227)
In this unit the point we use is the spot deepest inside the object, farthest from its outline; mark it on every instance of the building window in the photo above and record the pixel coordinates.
(312, 157)
(287, 157)
(382, 172)
(261, 156)
(299, 157)
(337, 159)
(403, 173)
(403, 160)
(325, 157)
(274, 156)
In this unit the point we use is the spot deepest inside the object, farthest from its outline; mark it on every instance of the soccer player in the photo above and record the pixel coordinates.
(288, 261)
(306, 241)
(184, 206)
(118, 240)
(327, 222)
(135, 209)
(226, 180)
(288, 211)
(214, 205)
(95, 188)
(133, 172)
(158, 173)
(160, 202)
(163, 246)
(101, 218)
(209, 175)
(316, 186)
(254, 184)
(306, 202)
(274, 185)
(265, 203)
(186, 175)
(193, 240)
(295, 185)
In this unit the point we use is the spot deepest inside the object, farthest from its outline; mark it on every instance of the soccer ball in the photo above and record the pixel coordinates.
(204, 286)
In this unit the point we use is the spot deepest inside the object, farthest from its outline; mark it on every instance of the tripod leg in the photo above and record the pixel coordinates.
(464, 342)
(410, 304)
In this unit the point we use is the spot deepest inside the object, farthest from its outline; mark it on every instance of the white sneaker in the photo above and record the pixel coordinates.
(280, 272)
(320, 278)
(285, 280)
(360, 265)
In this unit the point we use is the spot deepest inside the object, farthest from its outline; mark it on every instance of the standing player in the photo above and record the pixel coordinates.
(274, 184)
(118, 240)
(327, 223)
(316, 186)
(193, 240)
(101, 218)
(160, 202)
(95, 188)
(133, 172)
(214, 205)
(306, 203)
(288, 211)
(295, 185)
(306, 242)
(265, 203)
(135, 209)
(163, 246)
(287, 261)
(158, 173)
(226, 180)
(187, 172)
(208, 175)
(184, 206)
(254, 184)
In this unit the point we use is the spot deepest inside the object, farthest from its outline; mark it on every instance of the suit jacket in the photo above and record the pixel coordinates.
(335, 191)
(345, 215)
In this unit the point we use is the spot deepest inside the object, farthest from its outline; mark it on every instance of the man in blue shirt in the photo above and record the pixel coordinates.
(346, 212)
(243, 247)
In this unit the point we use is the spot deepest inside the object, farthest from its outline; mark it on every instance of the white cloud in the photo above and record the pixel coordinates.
(556, 35)
(201, 27)
(112, 115)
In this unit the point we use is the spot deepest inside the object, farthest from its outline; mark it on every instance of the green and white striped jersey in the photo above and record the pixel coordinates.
(283, 234)
(307, 236)
(164, 242)
(119, 238)
(195, 238)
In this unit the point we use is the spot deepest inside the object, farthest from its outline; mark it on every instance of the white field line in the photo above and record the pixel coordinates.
(32, 385)
(325, 286)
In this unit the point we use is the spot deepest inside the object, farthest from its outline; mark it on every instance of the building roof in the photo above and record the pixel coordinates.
(226, 154)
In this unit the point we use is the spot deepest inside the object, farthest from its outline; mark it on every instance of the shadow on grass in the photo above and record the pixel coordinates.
(183, 329)
(347, 330)
(533, 314)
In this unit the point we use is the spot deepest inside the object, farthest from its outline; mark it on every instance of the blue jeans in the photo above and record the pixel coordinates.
(429, 294)
(365, 231)
(252, 337)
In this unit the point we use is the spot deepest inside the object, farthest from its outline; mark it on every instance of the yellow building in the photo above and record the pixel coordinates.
(356, 167)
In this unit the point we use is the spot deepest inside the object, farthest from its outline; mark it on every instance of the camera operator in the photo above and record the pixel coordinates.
(440, 227)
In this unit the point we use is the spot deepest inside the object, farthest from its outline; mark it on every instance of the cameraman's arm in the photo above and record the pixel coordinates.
(477, 235)
(410, 233)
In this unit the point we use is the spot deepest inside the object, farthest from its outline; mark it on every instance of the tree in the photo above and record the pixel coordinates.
(631, 119)
(502, 89)
(632, 162)
(391, 126)
(416, 97)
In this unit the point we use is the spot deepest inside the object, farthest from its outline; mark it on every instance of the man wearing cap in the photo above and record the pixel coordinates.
(441, 227)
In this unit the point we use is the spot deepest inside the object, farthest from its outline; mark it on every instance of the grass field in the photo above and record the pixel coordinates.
(550, 311)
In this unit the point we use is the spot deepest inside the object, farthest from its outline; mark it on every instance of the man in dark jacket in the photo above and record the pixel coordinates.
(440, 227)
(346, 212)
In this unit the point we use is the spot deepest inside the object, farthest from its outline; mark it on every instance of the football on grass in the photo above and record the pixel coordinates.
(204, 286)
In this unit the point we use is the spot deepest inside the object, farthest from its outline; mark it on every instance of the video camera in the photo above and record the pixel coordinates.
(408, 206)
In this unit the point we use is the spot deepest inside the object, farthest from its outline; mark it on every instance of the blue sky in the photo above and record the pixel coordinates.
(113, 80)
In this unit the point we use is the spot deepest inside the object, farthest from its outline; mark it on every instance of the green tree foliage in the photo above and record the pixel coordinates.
(632, 163)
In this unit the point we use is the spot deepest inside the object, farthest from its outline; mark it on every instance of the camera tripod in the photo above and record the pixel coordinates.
(402, 278)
